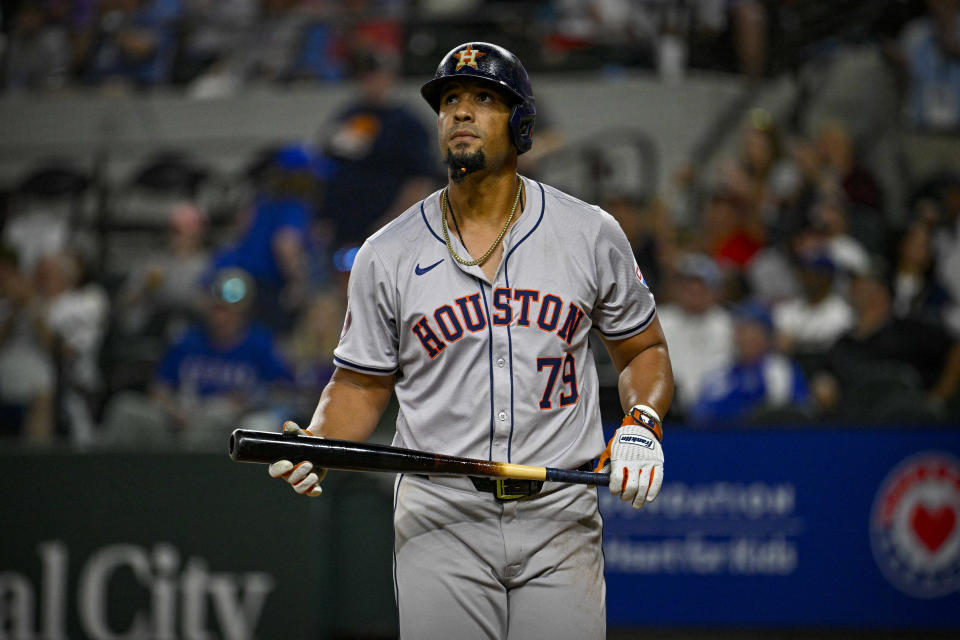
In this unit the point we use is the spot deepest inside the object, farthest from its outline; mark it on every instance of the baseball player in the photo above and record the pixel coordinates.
(475, 307)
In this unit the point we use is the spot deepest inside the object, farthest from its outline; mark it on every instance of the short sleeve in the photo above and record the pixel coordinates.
(369, 341)
(625, 304)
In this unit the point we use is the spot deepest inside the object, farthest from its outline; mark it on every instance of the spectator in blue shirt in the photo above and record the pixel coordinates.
(380, 154)
(213, 377)
(759, 379)
(930, 49)
(134, 42)
(275, 245)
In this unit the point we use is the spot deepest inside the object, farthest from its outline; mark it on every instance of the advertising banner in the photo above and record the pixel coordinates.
(815, 528)
(777, 528)
(110, 546)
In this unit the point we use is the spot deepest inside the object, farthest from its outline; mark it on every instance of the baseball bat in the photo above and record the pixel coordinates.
(265, 447)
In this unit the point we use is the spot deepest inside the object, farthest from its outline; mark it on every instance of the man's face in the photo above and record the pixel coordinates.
(751, 340)
(816, 282)
(472, 127)
(694, 295)
(224, 319)
(868, 293)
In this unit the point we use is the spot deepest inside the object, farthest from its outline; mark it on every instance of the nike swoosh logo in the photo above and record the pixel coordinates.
(422, 270)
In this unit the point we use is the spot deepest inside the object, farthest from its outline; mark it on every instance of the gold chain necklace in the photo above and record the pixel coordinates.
(489, 252)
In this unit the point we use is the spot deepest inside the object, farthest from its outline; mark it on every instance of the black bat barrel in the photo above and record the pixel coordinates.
(266, 447)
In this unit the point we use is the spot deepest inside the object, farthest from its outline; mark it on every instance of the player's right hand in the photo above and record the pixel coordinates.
(301, 476)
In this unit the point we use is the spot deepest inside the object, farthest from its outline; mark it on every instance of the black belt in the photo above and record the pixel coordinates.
(510, 489)
(507, 488)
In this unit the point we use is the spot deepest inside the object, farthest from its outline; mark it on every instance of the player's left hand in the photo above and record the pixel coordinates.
(634, 456)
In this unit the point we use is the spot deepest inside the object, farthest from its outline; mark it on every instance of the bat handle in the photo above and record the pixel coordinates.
(577, 477)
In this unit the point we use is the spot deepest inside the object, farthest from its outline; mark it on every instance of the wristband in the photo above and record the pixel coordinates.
(644, 416)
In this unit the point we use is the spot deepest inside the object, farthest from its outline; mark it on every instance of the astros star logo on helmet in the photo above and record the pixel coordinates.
(468, 57)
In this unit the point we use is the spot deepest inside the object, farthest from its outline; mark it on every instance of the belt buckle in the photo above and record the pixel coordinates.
(501, 495)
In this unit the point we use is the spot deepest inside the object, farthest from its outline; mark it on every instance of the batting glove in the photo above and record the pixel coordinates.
(634, 457)
(301, 476)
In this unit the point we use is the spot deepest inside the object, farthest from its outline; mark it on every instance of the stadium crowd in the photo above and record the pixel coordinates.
(799, 290)
(216, 47)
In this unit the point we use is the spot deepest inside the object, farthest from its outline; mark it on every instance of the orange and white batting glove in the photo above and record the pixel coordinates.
(301, 477)
(635, 457)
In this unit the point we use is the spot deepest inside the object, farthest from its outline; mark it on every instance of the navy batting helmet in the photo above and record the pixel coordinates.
(499, 67)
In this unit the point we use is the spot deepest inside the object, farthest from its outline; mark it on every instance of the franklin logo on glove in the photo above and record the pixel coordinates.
(635, 439)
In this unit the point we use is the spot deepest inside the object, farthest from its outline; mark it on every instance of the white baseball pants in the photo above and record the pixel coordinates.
(467, 566)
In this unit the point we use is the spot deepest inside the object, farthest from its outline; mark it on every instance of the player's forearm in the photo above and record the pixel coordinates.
(351, 405)
(647, 379)
(646, 376)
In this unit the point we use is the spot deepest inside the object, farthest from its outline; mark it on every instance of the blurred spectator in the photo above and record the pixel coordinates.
(732, 231)
(134, 42)
(698, 330)
(761, 177)
(217, 374)
(212, 31)
(650, 232)
(916, 292)
(309, 347)
(34, 233)
(830, 171)
(729, 35)
(830, 235)
(771, 276)
(162, 295)
(275, 240)
(374, 141)
(340, 28)
(749, 19)
(39, 54)
(267, 51)
(76, 312)
(930, 50)
(580, 23)
(885, 362)
(42, 212)
(839, 165)
(809, 324)
(27, 370)
(946, 243)
(758, 381)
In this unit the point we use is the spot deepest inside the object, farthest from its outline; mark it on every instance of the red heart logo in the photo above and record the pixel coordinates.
(933, 526)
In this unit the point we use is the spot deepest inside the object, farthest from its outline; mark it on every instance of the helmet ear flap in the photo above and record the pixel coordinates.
(522, 118)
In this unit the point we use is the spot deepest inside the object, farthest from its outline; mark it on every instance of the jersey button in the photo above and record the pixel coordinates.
(501, 362)
(502, 415)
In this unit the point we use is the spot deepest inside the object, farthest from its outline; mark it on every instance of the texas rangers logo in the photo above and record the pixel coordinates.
(915, 525)
(468, 57)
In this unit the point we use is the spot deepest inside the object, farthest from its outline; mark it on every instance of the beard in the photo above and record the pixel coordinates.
(463, 164)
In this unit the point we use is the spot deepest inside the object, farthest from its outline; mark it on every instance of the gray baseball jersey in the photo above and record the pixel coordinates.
(499, 370)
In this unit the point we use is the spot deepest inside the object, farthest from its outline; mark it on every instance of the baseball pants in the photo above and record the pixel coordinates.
(468, 566)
